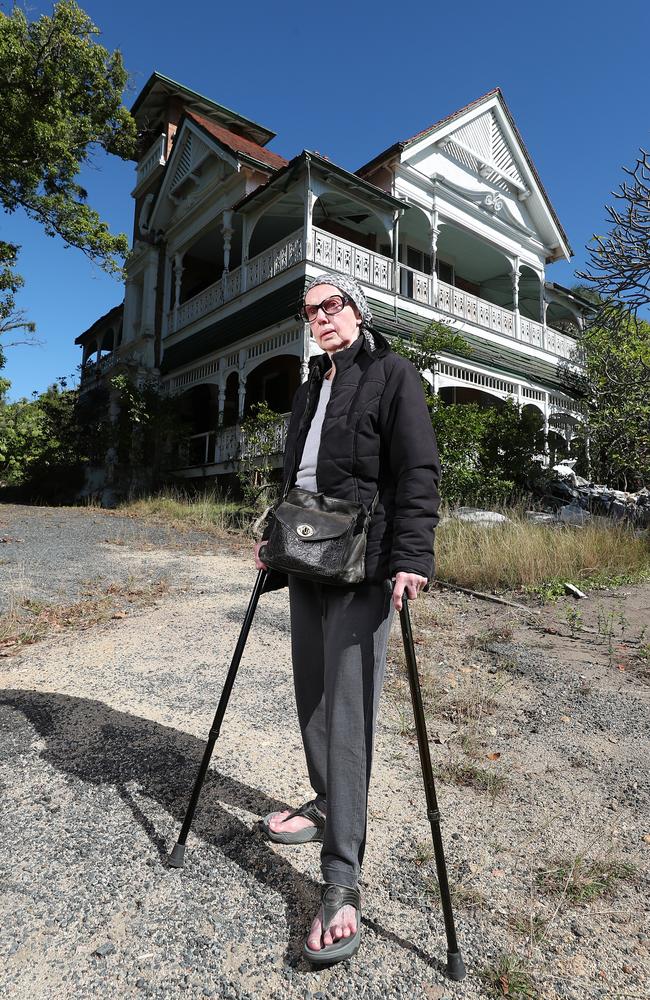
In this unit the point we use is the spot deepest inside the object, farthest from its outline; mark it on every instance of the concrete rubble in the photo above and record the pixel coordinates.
(574, 499)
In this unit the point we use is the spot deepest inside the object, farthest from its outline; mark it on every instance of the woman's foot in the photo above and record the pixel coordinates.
(342, 925)
(305, 824)
(279, 823)
(335, 934)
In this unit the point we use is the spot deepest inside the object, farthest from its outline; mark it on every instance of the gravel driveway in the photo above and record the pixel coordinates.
(101, 733)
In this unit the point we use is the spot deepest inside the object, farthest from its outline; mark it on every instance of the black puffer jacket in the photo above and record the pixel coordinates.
(376, 436)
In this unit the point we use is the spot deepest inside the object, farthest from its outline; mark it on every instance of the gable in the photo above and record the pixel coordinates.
(194, 158)
(482, 146)
(191, 154)
(482, 139)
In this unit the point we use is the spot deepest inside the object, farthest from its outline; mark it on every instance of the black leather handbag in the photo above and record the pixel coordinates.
(319, 538)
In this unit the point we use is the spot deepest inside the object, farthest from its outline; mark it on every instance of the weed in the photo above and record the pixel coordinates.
(581, 880)
(523, 555)
(531, 925)
(405, 723)
(470, 704)
(465, 897)
(482, 640)
(208, 512)
(547, 592)
(508, 977)
(574, 620)
(32, 619)
(472, 776)
(423, 853)
(471, 745)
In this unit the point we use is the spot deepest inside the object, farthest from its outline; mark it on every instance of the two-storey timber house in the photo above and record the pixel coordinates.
(452, 225)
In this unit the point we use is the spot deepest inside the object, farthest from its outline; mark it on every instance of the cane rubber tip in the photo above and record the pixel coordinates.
(177, 857)
(455, 966)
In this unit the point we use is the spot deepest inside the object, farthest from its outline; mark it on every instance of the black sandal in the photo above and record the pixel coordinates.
(333, 898)
(311, 812)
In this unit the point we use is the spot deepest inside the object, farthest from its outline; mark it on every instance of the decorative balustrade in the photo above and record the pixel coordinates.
(280, 257)
(348, 258)
(154, 157)
(531, 332)
(415, 285)
(92, 368)
(373, 269)
(198, 306)
(276, 259)
(558, 343)
(479, 311)
(230, 444)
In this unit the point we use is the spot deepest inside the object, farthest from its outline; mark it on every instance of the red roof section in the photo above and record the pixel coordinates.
(238, 143)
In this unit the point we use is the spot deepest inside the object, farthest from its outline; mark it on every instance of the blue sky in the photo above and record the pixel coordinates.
(348, 80)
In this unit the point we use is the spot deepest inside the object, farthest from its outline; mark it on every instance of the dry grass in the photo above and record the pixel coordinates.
(581, 880)
(209, 512)
(509, 977)
(518, 556)
(523, 555)
(464, 897)
(29, 620)
(472, 776)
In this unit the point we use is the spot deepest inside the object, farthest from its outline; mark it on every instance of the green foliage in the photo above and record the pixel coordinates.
(40, 440)
(260, 442)
(614, 385)
(423, 351)
(148, 427)
(61, 98)
(47, 442)
(487, 454)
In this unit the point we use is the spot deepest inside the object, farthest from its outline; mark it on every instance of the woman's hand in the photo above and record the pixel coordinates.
(409, 582)
(258, 562)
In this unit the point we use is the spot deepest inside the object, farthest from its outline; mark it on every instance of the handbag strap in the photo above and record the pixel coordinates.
(294, 458)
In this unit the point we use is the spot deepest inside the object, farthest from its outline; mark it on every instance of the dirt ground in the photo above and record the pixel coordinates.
(538, 727)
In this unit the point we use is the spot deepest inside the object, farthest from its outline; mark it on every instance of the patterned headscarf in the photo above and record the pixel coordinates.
(350, 287)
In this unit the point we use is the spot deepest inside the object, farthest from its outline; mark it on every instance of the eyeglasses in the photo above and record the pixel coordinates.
(332, 305)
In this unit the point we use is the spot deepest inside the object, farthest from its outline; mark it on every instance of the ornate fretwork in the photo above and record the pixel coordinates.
(190, 157)
(482, 146)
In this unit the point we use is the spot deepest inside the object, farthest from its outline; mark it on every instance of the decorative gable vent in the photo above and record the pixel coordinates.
(190, 157)
(482, 147)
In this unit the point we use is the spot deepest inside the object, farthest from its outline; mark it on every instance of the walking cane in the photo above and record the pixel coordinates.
(455, 965)
(177, 857)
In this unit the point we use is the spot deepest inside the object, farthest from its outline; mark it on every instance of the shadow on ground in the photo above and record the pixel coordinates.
(97, 744)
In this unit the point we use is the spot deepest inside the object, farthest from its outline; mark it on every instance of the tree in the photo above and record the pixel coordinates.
(261, 434)
(614, 381)
(61, 99)
(12, 320)
(486, 453)
(619, 263)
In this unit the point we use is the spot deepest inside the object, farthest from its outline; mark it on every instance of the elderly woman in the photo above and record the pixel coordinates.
(359, 430)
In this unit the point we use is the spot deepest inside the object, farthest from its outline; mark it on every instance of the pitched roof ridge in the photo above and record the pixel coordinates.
(455, 114)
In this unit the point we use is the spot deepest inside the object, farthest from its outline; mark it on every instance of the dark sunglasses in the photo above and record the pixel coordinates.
(331, 305)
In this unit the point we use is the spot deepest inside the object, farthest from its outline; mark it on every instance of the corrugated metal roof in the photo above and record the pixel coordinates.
(500, 358)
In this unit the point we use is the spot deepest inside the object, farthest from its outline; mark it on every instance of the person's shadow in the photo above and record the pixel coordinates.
(101, 745)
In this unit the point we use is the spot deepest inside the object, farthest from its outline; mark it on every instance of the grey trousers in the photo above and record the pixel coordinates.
(339, 638)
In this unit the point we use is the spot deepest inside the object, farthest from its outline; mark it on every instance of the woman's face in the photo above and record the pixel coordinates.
(335, 332)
